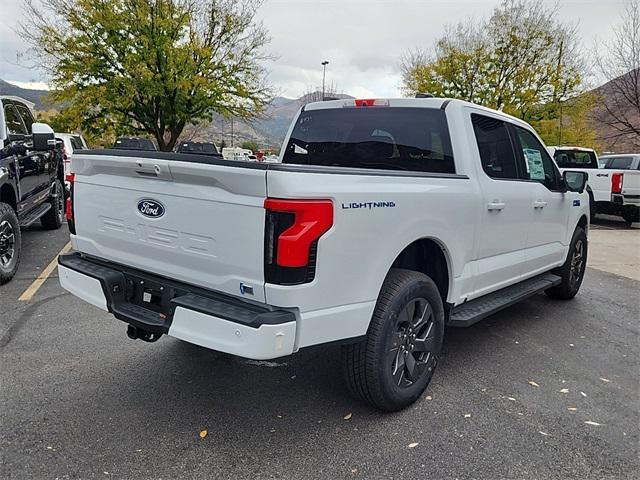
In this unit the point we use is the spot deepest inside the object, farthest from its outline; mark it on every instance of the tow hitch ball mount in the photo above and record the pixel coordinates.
(135, 333)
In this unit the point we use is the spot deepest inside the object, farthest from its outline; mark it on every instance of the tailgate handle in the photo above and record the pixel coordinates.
(148, 170)
(147, 174)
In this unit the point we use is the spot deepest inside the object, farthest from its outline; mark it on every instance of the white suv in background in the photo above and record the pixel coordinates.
(70, 142)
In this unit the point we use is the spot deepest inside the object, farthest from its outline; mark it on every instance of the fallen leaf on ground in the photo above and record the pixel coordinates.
(572, 409)
(564, 390)
(589, 422)
(605, 380)
(203, 433)
(583, 394)
(429, 397)
(543, 433)
(532, 383)
(512, 399)
(467, 415)
(348, 416)
(413, 445)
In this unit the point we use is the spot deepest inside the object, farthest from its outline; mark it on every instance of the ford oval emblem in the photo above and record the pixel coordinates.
(150, 208)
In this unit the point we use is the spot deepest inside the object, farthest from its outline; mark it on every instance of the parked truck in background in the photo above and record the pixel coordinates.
(31, 179)
(605, 183)
(586, 159)
(385, 221)
(625, 185)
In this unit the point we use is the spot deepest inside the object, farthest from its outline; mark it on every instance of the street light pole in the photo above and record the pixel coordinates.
(324, 71)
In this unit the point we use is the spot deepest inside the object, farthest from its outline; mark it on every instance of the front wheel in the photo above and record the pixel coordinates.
(572, 272)
(392, 366)
(10, 243)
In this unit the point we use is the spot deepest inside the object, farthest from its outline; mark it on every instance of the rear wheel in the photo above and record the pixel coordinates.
(572, 272)
(631, 215)
(10, 243)
(392, 366)
(52, 220)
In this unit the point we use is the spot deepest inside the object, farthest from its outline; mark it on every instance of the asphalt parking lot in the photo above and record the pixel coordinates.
(545, 389)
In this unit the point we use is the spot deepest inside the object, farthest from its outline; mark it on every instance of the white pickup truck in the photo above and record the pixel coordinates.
(625, 185)
(586, 159)
(384, 221)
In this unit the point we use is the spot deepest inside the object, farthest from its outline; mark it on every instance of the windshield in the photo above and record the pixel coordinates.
(392, 138)
(575, 159)
(619, 163)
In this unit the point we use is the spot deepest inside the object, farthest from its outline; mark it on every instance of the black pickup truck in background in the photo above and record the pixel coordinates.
(31, 179)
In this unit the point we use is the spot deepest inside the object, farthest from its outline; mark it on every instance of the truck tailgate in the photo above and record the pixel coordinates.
(197, 222)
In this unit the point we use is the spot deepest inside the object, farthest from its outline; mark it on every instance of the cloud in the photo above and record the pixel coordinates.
(30, 85)
(363, 40)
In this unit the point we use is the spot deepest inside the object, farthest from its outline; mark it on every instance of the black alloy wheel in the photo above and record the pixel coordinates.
(7, 243)
(577, 264)
(413, 343)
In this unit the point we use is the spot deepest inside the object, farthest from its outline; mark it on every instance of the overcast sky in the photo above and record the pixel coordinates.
(363, 40)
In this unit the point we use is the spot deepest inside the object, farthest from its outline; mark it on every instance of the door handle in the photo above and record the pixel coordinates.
(539, 204)
(495, 205)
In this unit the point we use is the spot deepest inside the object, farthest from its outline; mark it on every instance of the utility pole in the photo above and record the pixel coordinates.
(233, 139)
(324, 71)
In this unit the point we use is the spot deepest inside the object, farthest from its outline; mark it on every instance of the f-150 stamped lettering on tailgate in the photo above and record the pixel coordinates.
(162, 237)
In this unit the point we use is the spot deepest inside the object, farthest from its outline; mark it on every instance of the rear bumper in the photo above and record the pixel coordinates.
(161, 305)
(626, 200)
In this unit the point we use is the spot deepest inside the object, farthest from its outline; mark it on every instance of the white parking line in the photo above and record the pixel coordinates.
(37, 283)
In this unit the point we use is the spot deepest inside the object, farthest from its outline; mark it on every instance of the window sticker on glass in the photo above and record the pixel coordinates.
(534, 163)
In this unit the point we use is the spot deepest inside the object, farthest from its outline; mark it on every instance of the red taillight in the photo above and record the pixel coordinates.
(69, 210)
(312, 218)
(616, 182)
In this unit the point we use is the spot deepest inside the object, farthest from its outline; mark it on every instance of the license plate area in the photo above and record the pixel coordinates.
(150, 294)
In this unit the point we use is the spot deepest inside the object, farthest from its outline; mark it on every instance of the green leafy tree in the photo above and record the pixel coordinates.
(518, 59)
(150, 66)
(250, 145)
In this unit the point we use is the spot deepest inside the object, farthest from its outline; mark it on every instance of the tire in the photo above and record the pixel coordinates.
(53, 219)
(10, 243)
(377, 368)
(631, 216)
(572, 272)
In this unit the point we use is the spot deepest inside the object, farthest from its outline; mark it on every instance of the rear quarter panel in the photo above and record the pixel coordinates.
(355, 255)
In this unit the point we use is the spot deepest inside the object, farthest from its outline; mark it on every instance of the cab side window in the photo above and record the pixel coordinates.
(494, 145)
(13, 121)
(27, 118)
(538, 165)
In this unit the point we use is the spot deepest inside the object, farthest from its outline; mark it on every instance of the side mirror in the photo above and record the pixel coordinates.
(43, 138)
(575, 181)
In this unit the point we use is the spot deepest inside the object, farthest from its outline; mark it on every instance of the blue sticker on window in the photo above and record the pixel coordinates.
(576, 203)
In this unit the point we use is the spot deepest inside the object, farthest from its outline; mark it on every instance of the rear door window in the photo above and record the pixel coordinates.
(619, 163)
(495, 147)
(575, 159)
(76, 143)
(387, 138)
